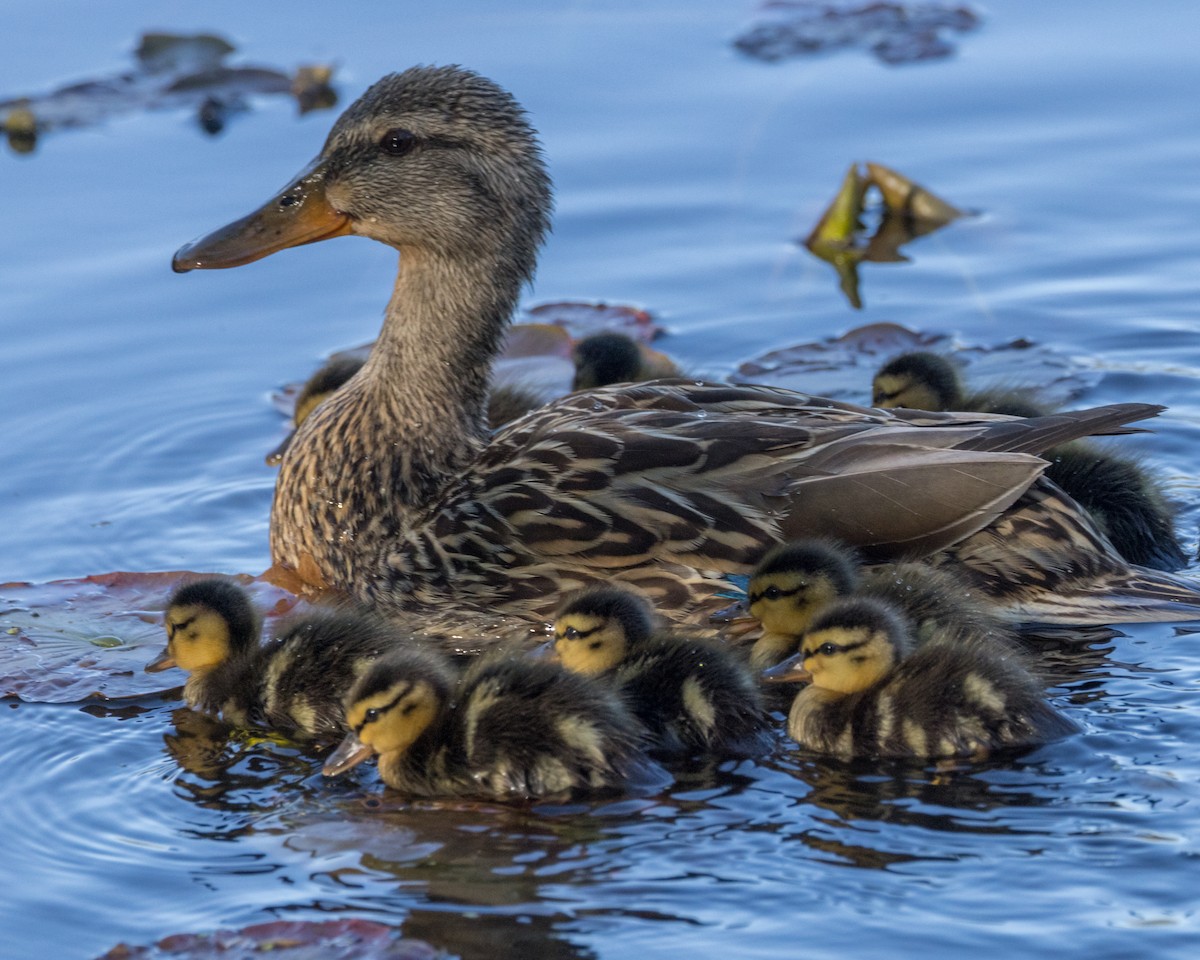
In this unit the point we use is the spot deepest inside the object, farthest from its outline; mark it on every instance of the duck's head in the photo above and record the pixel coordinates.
(435, 159)
(391, 706)
(849, 647)
(208, 622)
(795, 581)
(604, 358)
(919, 381)
(594, 630)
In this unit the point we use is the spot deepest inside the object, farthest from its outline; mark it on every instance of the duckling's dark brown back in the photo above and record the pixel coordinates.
(314, 661)
(529, 728)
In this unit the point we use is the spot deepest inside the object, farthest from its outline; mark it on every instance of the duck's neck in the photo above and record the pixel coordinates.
(429, 373)
(369, 461)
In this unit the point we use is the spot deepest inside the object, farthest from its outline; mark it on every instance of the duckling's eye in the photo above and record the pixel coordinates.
(570, 634)
(371, 715)
(772, 593)
(398, 142)
(827, 649)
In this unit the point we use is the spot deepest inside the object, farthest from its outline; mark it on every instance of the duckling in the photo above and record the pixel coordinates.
(294, 683)
(613, 357)
(506, 401)
(871, 695)
(213, 633)
(509, 728)
(928, 381)
(795, 582)
(692, 695)
(1127, 502)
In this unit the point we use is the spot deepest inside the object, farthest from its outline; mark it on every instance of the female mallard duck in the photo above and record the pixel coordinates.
(794, 582)
(508, 729)
(295, 683)
(870, 695)
(1121, 496)
(395, 492)
(693, 696)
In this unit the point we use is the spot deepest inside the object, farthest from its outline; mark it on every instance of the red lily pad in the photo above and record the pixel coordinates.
(583, 319)
(349, 939)
(71, 640)
(844, 366)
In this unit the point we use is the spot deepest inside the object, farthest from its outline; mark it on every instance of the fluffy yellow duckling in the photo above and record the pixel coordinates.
(869, 696)
(213, 634)
(295, 683)
(1125, 500)
(693, 696)
(794, 583)
(509, 729)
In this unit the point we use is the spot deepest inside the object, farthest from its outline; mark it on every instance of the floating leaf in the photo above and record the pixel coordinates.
(894, 33)
(171, 71)
(843, 367)
(909, 211)
(347, 939)
(584, 319)
(904, 197)
(71, 640)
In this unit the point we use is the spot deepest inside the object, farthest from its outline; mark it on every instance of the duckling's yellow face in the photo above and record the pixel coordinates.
(390, 721)
(306, 404)
(786, 601)
(198, 639)
(847, 659)
(903, 390)
(589, 644)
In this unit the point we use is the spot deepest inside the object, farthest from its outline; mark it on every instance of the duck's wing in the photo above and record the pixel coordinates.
(1045, 561)
(708, 475)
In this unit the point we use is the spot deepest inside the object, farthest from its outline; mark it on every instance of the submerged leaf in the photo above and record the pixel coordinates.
(904, 197)
(345, 939)
(895, 33)
(842, 367)
(71, 640)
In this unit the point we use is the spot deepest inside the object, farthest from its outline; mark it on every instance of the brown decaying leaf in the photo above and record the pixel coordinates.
(344, 939)
(72, 640)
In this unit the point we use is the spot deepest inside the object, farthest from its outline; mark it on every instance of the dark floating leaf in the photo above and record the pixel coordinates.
(71, 640)
(909, 211)
(171, 72)
(894, 33)
(842, 367)
(348, 939)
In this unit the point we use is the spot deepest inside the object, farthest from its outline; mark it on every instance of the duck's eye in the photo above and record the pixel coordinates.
(570, 634)
(398, 142)
(827, 649)
(772, 593)
(371, 715)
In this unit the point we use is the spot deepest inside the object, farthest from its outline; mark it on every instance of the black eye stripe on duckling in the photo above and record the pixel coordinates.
(885, 397)
(779, 592)
(173, 627)
(373, 713)
(837, 648)
(579, 634)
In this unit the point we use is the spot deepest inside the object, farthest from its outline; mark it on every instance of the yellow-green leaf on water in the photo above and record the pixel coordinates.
(902, 196)
(841, 219)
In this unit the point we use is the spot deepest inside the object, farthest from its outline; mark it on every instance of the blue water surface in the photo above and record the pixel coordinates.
(136, 411)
